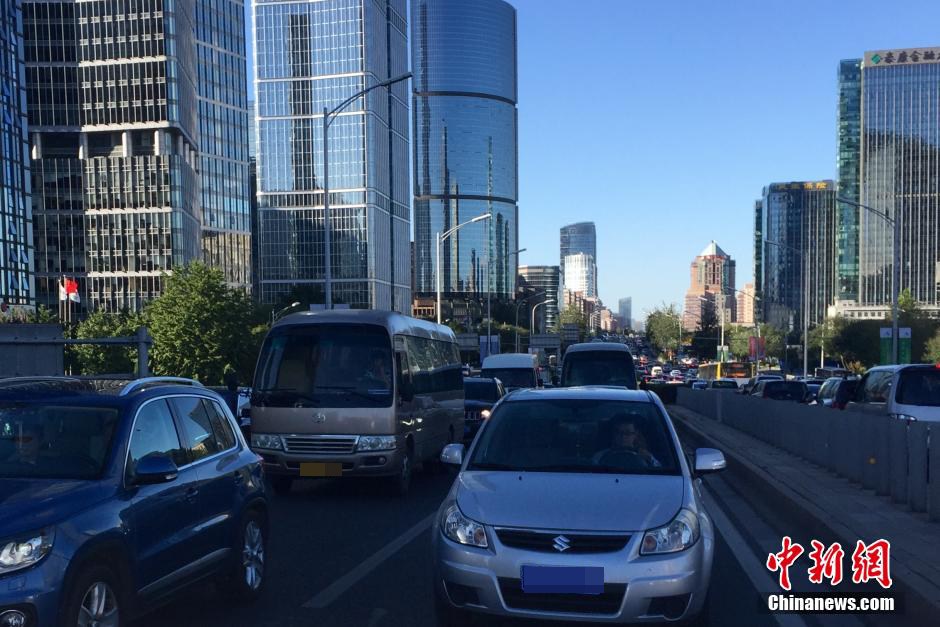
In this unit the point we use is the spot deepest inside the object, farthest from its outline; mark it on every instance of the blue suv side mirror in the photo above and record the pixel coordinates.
(155, 468)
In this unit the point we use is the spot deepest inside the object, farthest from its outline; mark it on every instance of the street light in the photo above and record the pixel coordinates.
(805, 291)
(721, 347)
(328, 117)
(275, 316)
(440, 239)
(521, 301)
(896, 270)
(534, 307)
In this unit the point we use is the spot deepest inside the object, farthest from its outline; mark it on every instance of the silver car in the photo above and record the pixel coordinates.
(575, 504)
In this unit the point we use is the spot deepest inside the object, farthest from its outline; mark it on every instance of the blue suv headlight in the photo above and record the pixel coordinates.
(25, 551)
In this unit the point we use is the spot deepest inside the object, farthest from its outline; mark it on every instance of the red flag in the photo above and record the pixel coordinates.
(71, 290)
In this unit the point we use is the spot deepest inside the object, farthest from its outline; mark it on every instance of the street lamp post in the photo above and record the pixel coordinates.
(896, 269)
(440, 240)
(534, 307)
(328, 117)
(521, 301)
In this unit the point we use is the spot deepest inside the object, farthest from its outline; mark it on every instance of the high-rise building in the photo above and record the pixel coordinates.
(712, 279)
(899, 175)
(579, 274)
(545, 279)
(625, 311)
(138, 128)
(798, 253)
(849, 138)
(17, 279)
(222, 91)
(579, 238)
(758, 257)
(746, 301)
(310, 56)
(465, 150)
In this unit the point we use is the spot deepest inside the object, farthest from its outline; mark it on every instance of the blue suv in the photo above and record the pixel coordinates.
(114, 496)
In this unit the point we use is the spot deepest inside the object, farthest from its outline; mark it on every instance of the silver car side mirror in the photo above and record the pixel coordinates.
(453, 454)
(709, 460)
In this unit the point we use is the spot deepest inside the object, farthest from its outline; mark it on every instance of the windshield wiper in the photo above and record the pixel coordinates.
(290, 392)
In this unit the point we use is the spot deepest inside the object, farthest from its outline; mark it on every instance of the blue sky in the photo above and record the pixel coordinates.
(662, 121)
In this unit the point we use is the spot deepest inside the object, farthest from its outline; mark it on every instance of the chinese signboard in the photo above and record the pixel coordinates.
(904, 346)
(805, 185)
(902, 57)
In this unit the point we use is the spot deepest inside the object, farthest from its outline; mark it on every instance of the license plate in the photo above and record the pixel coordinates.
(563, 579)
(321, 469)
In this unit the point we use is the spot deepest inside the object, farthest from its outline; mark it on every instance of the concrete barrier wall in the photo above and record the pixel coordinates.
(889, 457)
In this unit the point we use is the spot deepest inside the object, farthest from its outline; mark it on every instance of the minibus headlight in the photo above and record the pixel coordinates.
(267, 441)
(368, 443)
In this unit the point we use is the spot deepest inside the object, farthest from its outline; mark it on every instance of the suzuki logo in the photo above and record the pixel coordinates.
(561, 544)
(319, 418)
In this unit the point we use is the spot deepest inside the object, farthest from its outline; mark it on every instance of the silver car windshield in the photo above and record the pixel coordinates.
(577, 435)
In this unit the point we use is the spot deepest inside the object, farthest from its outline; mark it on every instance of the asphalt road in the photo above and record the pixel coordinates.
(345, 553)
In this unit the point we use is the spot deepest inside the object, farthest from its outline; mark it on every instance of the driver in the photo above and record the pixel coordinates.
(378, 368)
(626, 436)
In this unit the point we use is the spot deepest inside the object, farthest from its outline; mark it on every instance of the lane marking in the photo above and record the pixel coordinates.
(339, 587)
(752, 566)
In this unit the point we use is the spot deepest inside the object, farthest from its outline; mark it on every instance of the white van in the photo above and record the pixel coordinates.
(909, 392)
(515, 370)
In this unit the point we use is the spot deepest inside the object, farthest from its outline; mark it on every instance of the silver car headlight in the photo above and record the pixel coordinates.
(457, 527)
(24, 552)
(267, 440)
(376, 443)
(677, 536)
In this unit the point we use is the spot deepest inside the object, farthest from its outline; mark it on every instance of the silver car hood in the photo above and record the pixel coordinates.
(569, 501)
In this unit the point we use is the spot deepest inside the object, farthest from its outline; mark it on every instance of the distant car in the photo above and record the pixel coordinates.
(675, 373)
(910, 392)
(594, 364)
(699, 385)
(827, 391)
(515, 370)
(117, 496)
(723, 384)
(520, 534)
(479, 397)
(779, 390)
(748, 387)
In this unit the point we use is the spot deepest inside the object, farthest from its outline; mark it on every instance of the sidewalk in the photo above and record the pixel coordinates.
(848, 512)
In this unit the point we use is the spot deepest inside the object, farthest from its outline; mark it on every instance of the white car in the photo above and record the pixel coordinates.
(909, 392)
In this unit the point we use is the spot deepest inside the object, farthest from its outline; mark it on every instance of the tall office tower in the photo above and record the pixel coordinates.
(17, 279)
(137, 131)
(465, 154)
(799, 238)
(900, 175)
(545, 279)
(579, 275)
(712, 278)
(849, 138)
(579, 238)
(224, 147)
(625, 312)
(311, 55)
(746, 301)
(758, 258)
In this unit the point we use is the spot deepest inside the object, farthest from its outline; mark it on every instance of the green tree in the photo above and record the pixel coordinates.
(773, 341)
(663, 327)
(89, 359)
(571, 315)
(199, 325)
(908, 309)
(932, 349)
(739, 341)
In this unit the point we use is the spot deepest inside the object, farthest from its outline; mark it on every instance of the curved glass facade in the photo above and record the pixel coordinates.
(464, 57)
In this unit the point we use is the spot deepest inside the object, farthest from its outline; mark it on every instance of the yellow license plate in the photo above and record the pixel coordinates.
(321, 469)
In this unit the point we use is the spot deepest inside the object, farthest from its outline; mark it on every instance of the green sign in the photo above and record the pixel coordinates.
(904, 346)
(887, 347)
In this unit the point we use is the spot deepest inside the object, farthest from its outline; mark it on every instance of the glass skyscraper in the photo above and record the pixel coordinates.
(310, 55)
(798, 252)
(758, 259)
(138, 133)
(17, 281)
(542, 279)
(900, 175)
(465, 157)
(579, 238)
(849, 137)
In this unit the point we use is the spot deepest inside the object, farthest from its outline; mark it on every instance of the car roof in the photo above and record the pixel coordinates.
(394, 322)
(510, 360)
(582, 393)
(480, 380)
(95, 392)
(596, 346)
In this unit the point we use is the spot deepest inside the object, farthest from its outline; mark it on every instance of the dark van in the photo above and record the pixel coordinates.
(595, 363)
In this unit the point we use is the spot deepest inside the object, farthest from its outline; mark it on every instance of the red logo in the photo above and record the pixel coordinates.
(872, 562)
(826, 564)
(783, 560)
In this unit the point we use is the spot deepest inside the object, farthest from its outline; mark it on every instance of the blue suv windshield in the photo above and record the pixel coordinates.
(48, 441)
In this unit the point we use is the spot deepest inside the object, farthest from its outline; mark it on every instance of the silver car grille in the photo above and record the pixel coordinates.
(573, 542)
(330, 444)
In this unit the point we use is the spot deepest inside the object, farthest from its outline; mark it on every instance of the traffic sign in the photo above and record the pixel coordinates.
(545, 340)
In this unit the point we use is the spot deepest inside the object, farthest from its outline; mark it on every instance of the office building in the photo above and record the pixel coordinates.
(711, 279)
(625, 312)
(138, 126)
(310, 56)
(465, 149)
(798, 253)
(17, 279)
(847, 185)
(579, 275)
(579, 238)
(758, 257)
(545, 279)
(745, 305)
(900, 127)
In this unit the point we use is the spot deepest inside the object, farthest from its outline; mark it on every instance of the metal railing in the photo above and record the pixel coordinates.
(142, 340)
